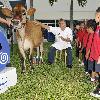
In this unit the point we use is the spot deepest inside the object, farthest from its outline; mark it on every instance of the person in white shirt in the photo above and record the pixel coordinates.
(64, 37)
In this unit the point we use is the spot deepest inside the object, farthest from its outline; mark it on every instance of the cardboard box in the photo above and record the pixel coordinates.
(8, 77)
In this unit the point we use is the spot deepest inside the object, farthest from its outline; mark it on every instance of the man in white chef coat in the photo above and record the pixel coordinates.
(64, 37)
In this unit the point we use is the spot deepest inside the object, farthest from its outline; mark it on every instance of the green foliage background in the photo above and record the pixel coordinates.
(50, 82)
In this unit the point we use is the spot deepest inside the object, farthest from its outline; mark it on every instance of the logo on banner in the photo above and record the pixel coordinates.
(3, 58)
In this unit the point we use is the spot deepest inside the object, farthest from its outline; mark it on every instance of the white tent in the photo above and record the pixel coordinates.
(61, 9)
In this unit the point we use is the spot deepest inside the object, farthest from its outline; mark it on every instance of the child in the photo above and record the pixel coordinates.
(77, 27)
(95, 52)
(80, 36)
(83, 49)
(91, 27)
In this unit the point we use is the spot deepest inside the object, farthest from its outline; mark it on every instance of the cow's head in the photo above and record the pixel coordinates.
(19, 14)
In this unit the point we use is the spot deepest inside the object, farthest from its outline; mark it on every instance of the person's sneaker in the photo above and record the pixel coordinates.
(69, 66)
(96, 92)
(79, 60)
(86, 73)
(93, 79)
(49, 63)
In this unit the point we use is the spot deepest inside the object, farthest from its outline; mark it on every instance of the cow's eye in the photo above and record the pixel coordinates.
(23, 10)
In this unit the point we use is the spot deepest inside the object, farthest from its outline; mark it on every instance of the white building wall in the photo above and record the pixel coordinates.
(62, 7)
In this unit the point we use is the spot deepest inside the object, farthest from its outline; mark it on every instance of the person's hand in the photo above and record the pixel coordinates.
(80, 51)
(9, 23)
(98, 62)
(86, 56)
(67, 40)
(61, 37)
(79, 46)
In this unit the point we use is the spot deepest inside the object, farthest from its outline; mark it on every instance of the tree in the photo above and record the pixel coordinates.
(80, 2)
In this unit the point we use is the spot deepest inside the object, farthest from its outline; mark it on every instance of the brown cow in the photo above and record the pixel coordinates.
(28, 34)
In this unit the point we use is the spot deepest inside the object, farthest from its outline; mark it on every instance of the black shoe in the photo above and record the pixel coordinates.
(96, 92)
(49, 63)
(69, 66)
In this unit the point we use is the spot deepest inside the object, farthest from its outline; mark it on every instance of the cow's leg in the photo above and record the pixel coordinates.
(41, 52)
(31, 62)
(23, 58)
(31, 59)
(22, 63)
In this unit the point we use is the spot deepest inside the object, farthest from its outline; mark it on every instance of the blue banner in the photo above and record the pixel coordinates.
(4, 51)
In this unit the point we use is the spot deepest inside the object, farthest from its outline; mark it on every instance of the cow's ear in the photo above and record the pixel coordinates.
(7, 12)
(31, 11)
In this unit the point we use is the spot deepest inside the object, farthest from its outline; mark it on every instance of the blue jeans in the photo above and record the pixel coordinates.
(51, 55)
(69, 56)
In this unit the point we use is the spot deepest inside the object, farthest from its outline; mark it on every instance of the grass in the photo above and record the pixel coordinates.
(47, 82)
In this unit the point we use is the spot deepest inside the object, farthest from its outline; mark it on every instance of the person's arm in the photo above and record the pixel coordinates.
(67, 40)
(97, 46)
(69, 36)
(87, 54)
(42, 25)
(5, 21)
(77, 41)
(80, 45)
(54, 30)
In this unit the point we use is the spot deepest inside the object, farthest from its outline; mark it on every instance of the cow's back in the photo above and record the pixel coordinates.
(33, 32)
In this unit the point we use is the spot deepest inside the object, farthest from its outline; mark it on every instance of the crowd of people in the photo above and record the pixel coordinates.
(87, 38)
